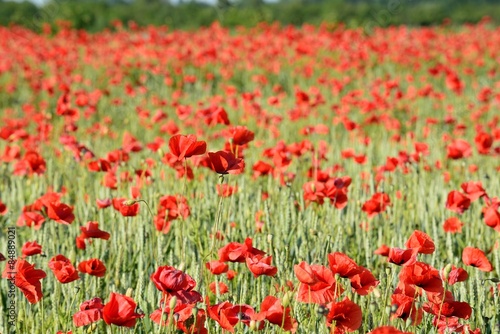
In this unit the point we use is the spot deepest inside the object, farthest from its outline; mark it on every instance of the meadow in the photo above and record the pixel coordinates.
(273, 179)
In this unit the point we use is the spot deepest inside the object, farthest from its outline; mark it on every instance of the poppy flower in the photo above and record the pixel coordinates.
(93, 267)
(63, 269)
(90, 311)
(225, 190)
(402, 257)
(343, 265)
(31, 219)
(31, 163)
(60, 212)
(363, 282)
(27, 279)
(492, 216)
(458, 149)
(129, 208)
(103, 203)
(453, 225)
(382, 250)
(345, 316)
(457, 202)
(31, 248)
(447, 307)
(228, 315)
(182, 146)
(223, 288)
(175, 282)
(474, 190)
(223, 162)
(3, 209)
(240, 135)
(317, 284)
(406, 308)
(236, 252)
(455, 275)
(422, 275)
(260, 265)
(91, 230)
(273, 311)
(421, 241)
(476, 258)
(120, 311)
(377, 204)
(483, 142)
(217, 267)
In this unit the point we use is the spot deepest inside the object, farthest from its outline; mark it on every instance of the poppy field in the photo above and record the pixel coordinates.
(268, 179)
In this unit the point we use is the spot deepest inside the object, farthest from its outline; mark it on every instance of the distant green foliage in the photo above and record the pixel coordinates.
(95, 15)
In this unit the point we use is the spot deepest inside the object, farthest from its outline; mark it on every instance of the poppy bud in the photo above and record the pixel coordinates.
(269, 238)
(446, 271)
(287, 298)
(194, 311)
(172, 303)
(129, 292)
(253, 325)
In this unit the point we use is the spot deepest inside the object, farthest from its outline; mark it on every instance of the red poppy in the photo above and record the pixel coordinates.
(317, 284)
(403, 257)
(217, 267)
(63, 269)
(93, 267)
(458, 149)
(273, 311)
(3, 209)
(377, 204)
(421, 241)
(90, 311)
(457, 202)
(223, 288)
(474, 190)
(476, 258)
(32, 163)
(31, 248)
(175, 282)
(182, 146)
(422, 275)
(343, 265)
(225, 190)
(236, 252)
(92, 231)
(406, 308)
(60, 212)
(240, 135)
(363, 282)
(30, 219)
(26, 278)
(228, 315)
(103, 203)
(344, 316)
(223, 162)
(455, 275)
(483, 142)
(453, 225)
(120, 311)
(382, 250)
(129, 208)
(492, 216)
(260, 265)
(447, 307)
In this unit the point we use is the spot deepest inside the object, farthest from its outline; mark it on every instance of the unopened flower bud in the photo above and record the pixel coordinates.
(129, 202)
(129, 292)
(287, 298)
(172, 303)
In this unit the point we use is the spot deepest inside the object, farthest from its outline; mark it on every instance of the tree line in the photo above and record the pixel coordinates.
(96, 15)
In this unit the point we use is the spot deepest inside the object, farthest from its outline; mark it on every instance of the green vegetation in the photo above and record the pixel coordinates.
(96, 15)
